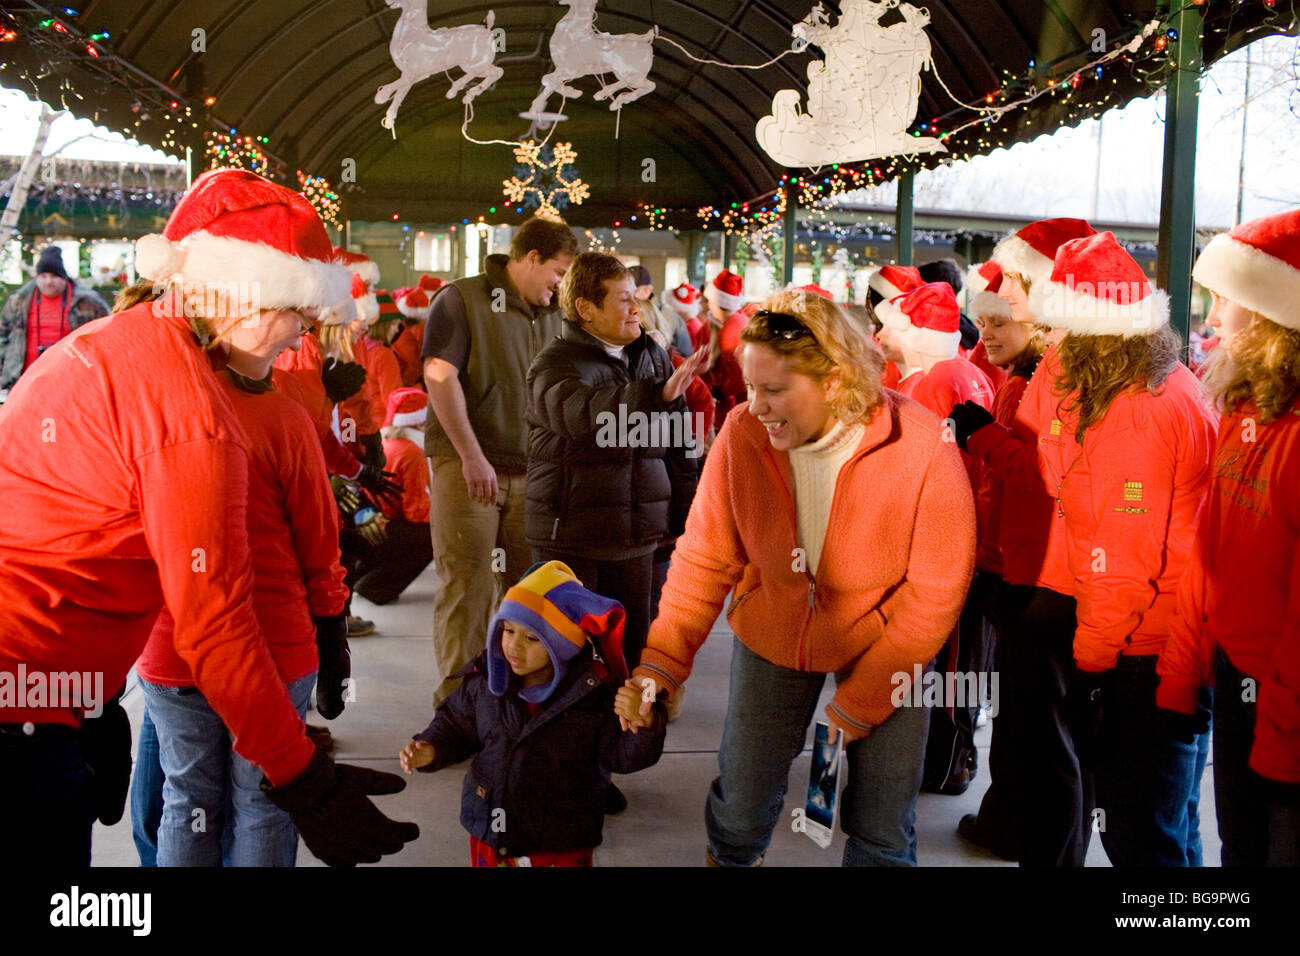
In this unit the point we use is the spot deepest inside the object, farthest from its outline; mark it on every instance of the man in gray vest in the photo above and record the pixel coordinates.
(482, 335)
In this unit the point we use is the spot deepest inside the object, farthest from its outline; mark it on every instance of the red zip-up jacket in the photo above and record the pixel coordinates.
(874, 610)
(368, 406)
(950, 383)
(988, 495)
(293, 533)
(124, 474)
(298, 375)
(1241, 591)
(406, 348)
(1029, 459)
(406, 460)
(1131, 501)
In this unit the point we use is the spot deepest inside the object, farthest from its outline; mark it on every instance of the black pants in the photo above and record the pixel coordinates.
(382, 573)
(950, 755)
(47, 802)
(627, 582)
(1051, 793)
(997, 815)
(1259, 822)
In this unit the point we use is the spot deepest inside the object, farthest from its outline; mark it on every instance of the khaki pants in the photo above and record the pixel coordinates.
(479, 551)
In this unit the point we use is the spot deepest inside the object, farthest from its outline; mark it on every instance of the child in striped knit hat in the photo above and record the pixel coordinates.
(538, 711)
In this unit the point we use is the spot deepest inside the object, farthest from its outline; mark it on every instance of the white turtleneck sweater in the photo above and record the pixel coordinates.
(815, 468)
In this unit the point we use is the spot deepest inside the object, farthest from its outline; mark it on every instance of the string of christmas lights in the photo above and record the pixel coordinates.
(317, 191)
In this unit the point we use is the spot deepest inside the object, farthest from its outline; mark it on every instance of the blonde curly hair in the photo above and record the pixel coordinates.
(1261, 363)
(838, 347)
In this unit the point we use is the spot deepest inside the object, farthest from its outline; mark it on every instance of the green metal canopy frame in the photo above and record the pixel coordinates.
(304, 75)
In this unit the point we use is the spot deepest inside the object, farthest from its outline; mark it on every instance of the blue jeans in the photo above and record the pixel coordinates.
(768, 713)
(147, 793)
(214, 811)
(1148, 784)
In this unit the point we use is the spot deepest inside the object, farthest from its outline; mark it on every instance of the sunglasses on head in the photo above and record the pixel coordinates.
(783, 325)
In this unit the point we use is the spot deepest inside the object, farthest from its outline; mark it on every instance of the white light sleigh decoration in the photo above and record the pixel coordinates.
(862, 98)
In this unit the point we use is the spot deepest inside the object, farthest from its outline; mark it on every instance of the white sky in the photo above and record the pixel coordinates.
(1054, 175)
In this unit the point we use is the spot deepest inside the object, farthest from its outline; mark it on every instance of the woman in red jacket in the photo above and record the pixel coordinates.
(820, 460)
(1238, 620)
(1130, 503)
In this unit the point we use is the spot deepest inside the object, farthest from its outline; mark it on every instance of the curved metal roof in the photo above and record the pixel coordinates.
(304, 74)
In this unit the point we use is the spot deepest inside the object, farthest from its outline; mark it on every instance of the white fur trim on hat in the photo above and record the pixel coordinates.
(724, 300)
(254, 272)
(412, 311)
(367, 308)
(1252, 278)
(931, 341)
(974, 281)
(368, 270)
(892, 317)
(1076, 309)
(1013, 254)
(409, 419)
(990, 304)
(687, 310)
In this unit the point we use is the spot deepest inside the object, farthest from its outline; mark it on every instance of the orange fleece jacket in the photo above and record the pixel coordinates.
(894, 569)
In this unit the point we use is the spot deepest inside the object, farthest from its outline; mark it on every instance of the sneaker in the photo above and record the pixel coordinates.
(615, 802)
(360, 627)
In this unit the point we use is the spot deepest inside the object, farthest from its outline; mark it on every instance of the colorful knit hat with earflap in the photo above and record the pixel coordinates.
(551, 602)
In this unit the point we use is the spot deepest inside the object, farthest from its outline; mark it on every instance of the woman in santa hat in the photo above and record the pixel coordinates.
(725, 296)
(136, 502)
(1036, 602)
(414, 303)
(1238, 621)
(684, 302)
(883, 285)
(1129, 503)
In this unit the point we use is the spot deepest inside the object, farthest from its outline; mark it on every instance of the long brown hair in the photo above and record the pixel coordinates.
(1260, 364)
(1097, 368)
(142, 290)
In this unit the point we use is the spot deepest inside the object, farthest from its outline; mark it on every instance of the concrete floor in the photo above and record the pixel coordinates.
(664, 824)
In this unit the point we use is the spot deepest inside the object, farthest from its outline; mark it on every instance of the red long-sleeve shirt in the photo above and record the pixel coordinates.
(950, 383)
(1131, 501)
(124, 473)
(298, 375)
(1030, 458)
(406, 460)
(368, 406)
(293, 534)
(1241, 591)
(988, 494)
(407, 347)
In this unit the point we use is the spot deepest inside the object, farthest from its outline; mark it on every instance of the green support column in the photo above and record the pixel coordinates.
(904, 218)
(697, 247)
(791, 231)
(1177, 240)
(728, 249)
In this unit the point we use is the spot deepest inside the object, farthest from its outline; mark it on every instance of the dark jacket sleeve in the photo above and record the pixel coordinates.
(625, 752)
(454, 730)
(565, 405)
(87, 307)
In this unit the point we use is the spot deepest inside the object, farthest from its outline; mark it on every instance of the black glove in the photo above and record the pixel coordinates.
(342, 380)
(106, 747)
(374, 446)
(335, 664)
(968, 418)
(1185, 727)
(380, 483)
(330, 807)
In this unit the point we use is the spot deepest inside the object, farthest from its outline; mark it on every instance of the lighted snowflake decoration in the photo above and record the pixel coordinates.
(545, 179)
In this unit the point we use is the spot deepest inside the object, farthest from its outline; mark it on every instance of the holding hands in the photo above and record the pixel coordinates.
(634, 701)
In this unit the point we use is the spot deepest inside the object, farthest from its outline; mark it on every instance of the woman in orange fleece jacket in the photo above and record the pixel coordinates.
(1129, 504)
(1238, 619)
(845, 524)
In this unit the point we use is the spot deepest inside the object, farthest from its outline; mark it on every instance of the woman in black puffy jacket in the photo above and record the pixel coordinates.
(612, 450)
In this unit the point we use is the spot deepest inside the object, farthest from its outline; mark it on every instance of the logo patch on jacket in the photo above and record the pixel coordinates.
(1055, 427)
(1132, 491)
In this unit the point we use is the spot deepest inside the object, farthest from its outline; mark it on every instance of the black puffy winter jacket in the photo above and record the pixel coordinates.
(611, 469)
(535, 785)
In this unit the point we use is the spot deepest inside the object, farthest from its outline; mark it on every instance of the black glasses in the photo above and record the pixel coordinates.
(783, 325)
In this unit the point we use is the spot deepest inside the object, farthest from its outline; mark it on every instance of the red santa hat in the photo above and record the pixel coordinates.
(814, 289)
(1032, 250)
(414, 301)
(889, 282)
(367, 304)
(1097, 288)
(407, 408)
(360, 264)
(932, 317)
(233, 227)
(982, 285)
(684, 300)
(1257, 265)
(726, 291)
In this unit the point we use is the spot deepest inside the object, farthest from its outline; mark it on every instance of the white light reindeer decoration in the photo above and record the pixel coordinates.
(420, 52)
(578, 49)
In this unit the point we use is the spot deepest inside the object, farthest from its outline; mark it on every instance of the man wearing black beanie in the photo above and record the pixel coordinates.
(40, 313)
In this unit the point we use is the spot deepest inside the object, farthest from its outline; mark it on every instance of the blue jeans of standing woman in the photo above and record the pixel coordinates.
(768, 713)
(214, 811)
